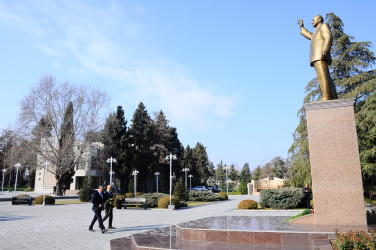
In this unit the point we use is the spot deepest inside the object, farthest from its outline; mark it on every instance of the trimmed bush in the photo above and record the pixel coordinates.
(23, 195)
(165, 201)
(49, 200)
(223, 195)
(152, 199)
(283, 198)
(138, 193)
(129, 195)
(247, 204)
(204, 196)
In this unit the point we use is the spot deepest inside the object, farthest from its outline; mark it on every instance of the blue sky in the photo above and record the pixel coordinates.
(228, 74)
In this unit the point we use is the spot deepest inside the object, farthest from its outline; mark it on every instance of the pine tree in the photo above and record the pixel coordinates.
(142, 134)
(202, 163)
(115, 138)
(180, 191)
(245, 173)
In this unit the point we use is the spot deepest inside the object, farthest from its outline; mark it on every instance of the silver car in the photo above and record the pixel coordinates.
(200, 188)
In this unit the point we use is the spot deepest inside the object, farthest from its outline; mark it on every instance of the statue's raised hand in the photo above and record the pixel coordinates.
(300, 22)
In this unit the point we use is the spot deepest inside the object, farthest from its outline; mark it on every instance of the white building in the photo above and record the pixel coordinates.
(88, 165)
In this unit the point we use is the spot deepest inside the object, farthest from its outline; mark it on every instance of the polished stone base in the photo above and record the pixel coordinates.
(233, 232)
(335, 165)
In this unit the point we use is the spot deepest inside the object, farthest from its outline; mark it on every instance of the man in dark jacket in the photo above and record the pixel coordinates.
(307, 195)
(108, 207)
(98, 200)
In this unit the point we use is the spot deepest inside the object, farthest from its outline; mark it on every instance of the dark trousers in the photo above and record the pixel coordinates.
(307, 200)
(97, 216)
(108, 211)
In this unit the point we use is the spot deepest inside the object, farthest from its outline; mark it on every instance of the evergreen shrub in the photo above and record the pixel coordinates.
(204, 196)
(152, 199)
(243, 189)
(129, 195)
(85, 192)
(283, 198)
(48, 201)
(247, 204)
(138, 193)
(180, 191)
(223, 195)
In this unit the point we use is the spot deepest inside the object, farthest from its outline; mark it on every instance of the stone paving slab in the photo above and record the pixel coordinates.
(66, 226)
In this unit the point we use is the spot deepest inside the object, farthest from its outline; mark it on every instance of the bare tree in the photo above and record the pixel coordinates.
(57, 120)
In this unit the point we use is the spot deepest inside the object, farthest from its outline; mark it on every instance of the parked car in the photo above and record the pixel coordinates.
(214, 188)
(200, 188)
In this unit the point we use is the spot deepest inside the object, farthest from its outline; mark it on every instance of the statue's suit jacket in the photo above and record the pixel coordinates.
(321, 40)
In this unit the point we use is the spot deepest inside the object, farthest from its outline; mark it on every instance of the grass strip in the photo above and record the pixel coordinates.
(305, 212)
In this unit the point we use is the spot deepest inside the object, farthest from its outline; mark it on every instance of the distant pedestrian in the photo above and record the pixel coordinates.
(307, 195)
(64, 189)
(54, 190)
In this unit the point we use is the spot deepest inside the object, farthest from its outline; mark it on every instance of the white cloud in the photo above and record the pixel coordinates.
(105, 41)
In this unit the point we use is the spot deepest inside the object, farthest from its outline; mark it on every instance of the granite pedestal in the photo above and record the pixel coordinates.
(335, 165)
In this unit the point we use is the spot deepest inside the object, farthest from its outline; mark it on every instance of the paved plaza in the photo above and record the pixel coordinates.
(66, 226)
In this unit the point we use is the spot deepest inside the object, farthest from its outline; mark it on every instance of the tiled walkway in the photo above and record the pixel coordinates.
(66, 226)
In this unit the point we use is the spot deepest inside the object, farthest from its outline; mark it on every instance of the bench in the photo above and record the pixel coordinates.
(135, 202)
(16, 200)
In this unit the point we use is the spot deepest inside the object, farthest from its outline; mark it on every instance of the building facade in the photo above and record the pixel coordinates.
(87, 166)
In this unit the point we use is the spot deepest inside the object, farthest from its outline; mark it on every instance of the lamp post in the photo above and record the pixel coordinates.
(134, 173)
(156, 176)
(45, 182)
(15, 183)
(111, 160)
(186, 170)
(190, 182)
(171, 157)
(226, 167)
(2, 184)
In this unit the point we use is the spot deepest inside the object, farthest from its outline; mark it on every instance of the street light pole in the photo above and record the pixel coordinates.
(190, 182)
(2, 184)
(111, 160)
(45, 182)
(134, 173)
(156, 175)
(226, 179)
(171, 157)
(186, 170)
(15, 183)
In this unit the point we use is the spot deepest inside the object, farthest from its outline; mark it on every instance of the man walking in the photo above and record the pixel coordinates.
(98, 200)
(108, 207)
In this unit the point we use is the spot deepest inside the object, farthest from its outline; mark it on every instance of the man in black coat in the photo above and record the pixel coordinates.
(307, 195)
(98, 200)
(108, 207)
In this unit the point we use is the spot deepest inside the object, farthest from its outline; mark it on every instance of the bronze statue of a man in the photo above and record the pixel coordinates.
(321, 41)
